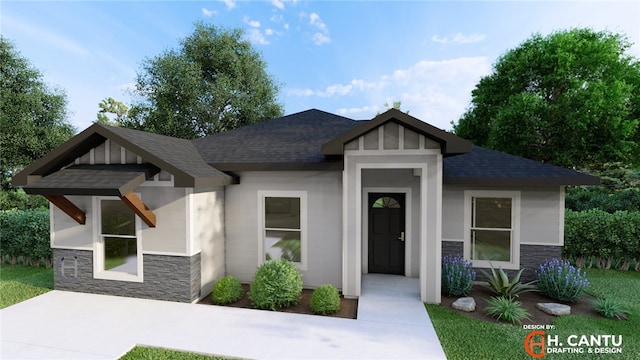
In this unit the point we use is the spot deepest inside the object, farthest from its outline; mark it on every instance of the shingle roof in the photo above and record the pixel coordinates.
(177, 156)
(493, 168)
(292, 139)
(102, 180)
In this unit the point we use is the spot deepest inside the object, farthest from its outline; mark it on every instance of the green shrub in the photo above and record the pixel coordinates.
(457, 275)
(25, 236)
(506, 309)
(277, 284)
(226, 291)
(325, 300)
(560, 280)
(606, 238)
(499, 283)
(610, 309)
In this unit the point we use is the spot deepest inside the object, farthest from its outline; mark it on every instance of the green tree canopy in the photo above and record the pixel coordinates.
(111, 106)
(215, 81)
(571, 98)
(33, 117)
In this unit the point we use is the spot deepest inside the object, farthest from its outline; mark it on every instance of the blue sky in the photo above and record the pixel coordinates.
(344, 57)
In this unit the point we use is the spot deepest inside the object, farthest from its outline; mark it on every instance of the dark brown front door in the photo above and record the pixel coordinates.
(386, 233)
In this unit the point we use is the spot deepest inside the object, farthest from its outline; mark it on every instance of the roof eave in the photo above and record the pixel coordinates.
(522, 181)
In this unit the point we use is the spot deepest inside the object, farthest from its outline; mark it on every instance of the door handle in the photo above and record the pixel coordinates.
(401, 238)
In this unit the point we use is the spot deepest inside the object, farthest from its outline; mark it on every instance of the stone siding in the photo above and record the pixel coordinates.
(172, 278)
(530, 257)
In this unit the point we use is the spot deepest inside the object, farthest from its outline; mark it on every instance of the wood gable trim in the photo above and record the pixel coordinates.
(68, 208)
(139, 207)
(450, 144)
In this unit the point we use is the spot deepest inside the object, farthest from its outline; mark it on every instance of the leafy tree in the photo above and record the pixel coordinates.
(32, 115)
(571, 98)
(214, 82)
(114, 107)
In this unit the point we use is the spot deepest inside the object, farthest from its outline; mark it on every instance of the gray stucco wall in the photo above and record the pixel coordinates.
(540, 216)
(530, 257)
(172, 278)
(324, 223)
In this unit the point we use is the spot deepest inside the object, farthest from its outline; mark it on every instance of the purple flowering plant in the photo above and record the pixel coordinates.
(560, 280)
(457, 275)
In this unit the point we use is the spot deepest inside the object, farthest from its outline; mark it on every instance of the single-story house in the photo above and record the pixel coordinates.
(145, 215)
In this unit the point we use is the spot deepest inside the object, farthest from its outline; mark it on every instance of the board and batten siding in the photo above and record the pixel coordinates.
(541, 214)
(324, 223)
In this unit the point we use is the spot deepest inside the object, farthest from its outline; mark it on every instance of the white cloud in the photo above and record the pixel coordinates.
(252, 23)
(45, 36)
(286, 26)
(208, 13)
(459, 38)
(314, 19)
(434, 91)
(268, 31)
(277, 3)
(322, 36)
(255, 36)
(229, 3)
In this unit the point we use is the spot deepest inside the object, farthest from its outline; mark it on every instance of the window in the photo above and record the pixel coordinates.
(283, 234)
(118, 253)
(491, 223)
(386, 202)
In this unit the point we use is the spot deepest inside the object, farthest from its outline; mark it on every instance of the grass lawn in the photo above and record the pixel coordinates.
(19, 283)
(465, 338)
(149, 353)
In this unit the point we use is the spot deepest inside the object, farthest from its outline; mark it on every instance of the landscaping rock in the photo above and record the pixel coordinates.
(554, 308)
(467, 304)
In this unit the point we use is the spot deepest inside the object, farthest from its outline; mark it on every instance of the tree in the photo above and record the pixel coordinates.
(112, 106)
(32, 115)
(571, 98)
(214, 82)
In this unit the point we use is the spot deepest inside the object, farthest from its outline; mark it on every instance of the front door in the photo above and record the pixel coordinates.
(386, 233)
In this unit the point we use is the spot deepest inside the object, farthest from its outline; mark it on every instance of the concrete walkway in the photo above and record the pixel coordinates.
(391, 324)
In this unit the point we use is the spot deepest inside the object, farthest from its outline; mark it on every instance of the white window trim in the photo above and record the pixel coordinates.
(514, 264)
(302, 195)
(98, 246)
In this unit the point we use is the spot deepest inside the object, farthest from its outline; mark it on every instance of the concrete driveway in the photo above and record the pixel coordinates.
(67, 325)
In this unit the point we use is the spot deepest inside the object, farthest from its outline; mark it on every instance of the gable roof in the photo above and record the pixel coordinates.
(102, 180)
(450, 144)
(494, 168)
(177, 156)
(290, 142)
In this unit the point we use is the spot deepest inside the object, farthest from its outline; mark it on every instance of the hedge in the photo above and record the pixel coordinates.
(25, 237)
(595, 236)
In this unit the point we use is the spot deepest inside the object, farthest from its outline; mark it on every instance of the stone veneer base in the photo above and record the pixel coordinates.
(530, 257)
(172, 278)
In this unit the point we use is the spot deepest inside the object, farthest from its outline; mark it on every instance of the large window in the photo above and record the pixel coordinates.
(118, 250)
(283, 227)
(491, 223)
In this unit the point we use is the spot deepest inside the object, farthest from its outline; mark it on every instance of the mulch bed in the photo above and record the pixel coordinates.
(348, 307)
(529, 300)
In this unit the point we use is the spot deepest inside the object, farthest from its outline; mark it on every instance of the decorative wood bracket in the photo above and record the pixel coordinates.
(68, 207)
(136, 204)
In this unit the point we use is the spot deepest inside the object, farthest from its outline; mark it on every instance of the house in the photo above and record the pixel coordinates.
(145, 215)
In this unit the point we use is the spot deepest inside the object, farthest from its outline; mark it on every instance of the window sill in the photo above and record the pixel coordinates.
(117, 276)
(495, 264)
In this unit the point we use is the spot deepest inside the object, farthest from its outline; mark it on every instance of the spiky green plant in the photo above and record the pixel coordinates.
(507, 309)
(610, 309)
(499, 283)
